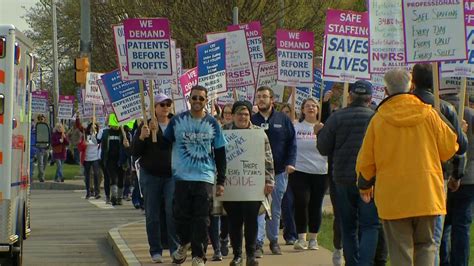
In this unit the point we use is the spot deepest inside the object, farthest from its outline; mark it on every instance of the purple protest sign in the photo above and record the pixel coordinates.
(66, 107)
(148, 47)
(39, 102)
(387, 50)
(253, 32)
(434, 30)
(346, 54)
(295, 57)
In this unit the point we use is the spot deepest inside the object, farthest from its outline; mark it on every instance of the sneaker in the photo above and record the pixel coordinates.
(88, 196)
(179, 256)
(157, 258)
(300, 245)
(237, 261)
(251, 261)
(113, 201)
(107, 200)
(217, 256)
(290, 242)
(259, 252)
(337, 257)
(275, 248)
(119, 201)
(97, 196)
(224, 247)
(313, 244)
(198, 261)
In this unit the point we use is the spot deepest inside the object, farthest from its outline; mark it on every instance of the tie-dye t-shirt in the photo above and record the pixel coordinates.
(193, 144)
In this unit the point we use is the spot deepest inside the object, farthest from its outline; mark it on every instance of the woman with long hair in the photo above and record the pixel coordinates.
(59, 143)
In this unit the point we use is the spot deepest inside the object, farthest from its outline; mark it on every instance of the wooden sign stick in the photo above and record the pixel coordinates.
(462, 100)
(152, 109)
(345, 94)
(436, 86)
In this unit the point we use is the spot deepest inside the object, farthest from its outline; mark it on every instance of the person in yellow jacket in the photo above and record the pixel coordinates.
(400, 161)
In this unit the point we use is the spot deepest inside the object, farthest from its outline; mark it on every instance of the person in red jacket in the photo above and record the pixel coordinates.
(59, 143)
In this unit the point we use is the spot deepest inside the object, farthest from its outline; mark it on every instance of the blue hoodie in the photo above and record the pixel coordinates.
(281, 133)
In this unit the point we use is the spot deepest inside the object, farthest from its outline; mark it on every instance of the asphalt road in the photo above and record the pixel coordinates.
(69, 230)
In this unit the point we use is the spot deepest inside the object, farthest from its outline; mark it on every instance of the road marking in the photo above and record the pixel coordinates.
(101, 204)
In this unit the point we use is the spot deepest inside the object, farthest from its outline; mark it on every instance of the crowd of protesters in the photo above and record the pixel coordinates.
(400, 176)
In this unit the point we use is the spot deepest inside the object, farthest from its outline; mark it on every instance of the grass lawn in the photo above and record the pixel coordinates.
(325, 236)
(69, 171)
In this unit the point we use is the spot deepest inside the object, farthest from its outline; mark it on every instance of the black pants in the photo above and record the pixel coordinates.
(191, 207)
(115, 173)
(224, 234)
(336, 225)
(240, 213)
(106, 179)
(308, 190)
(87, 172)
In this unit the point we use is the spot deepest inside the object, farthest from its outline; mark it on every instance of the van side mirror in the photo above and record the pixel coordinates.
(43, 139)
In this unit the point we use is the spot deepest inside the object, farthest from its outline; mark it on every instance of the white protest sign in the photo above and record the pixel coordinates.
(378, 89)
(120, 50)
(434, 30)
(267, 76)
(246, 93)
(39, 102)
(92, 91)
(295, 53)
(346, 50)
(238, 65)
(148, 47)
(452, 85)
(387, 50)
(463, 68)
(253, 32)
(66, 107)
(245, 177)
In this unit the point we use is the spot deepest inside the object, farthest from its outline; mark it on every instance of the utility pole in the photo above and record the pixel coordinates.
(55, 63)
(282, 18)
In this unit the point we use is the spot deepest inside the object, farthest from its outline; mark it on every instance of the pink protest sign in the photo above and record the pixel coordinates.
(188, 80)
(43, 95)
(148, 45)
(463, 68)
(434, 30)
(346, 54)
(253, 32)
(295, 57)
(66, 99)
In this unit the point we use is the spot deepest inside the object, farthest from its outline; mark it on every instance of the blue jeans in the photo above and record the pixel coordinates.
(77, 156)
(455, 243)
(59, 170)
(213, 231)
(288, 213)
(42, 160)
(272, 226)
(360, 226)
(155, 189)
(438, 230)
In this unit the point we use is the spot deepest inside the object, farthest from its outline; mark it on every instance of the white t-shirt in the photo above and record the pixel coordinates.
(308, 158)
(92, 149)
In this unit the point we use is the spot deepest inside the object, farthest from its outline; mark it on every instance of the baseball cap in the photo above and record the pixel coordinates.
(361, 87)
(161, 98)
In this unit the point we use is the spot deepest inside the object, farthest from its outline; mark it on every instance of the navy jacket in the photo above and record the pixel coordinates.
(282, 137)
(342, 137)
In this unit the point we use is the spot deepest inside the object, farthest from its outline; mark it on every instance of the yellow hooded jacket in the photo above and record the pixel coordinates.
(405, 142)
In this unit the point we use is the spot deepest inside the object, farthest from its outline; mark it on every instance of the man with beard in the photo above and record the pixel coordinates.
(198, 153)
(281, 133)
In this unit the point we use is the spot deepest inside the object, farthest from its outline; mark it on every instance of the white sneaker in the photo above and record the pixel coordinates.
(179, 256)
(337, 257)
(300, 245)
(198, 261)
(313, 244)
(157, 258)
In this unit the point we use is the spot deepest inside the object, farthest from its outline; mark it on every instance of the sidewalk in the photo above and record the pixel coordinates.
(130, 245)
(131, 248)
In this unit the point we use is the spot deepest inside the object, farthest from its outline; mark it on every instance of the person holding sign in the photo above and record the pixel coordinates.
(245, 213)
(308, 182)
(281, 133)
(403, 146)
(155, 177)
(198, 153)
(342, 136)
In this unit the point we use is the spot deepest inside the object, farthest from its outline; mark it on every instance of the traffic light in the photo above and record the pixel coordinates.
(82, 67)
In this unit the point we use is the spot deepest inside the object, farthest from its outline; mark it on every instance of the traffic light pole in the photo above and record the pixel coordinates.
(85, 43)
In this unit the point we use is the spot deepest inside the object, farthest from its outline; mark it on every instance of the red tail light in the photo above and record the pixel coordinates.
(2, 46)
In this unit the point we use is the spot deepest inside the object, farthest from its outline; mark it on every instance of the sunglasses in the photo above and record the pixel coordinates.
(195, 98)
(165, 104)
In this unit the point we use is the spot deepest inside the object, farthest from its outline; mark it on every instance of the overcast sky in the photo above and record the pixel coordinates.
(12, 10)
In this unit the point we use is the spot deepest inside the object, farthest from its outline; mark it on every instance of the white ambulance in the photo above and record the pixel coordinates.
(16, 67)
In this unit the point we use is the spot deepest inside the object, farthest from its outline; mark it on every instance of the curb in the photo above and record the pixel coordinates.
(121, 250)
(56, 186)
